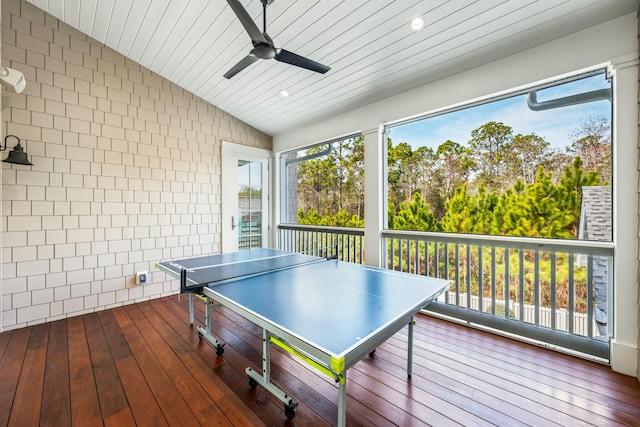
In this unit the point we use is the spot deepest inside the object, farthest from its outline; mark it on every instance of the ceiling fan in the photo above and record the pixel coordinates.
(263, 47)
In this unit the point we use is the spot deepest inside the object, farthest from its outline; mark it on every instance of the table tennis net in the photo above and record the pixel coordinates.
(193, 279)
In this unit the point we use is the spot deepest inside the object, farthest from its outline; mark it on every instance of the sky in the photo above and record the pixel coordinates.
(555, 125)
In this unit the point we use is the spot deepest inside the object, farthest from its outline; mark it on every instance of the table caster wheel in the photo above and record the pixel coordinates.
(220, 349)
(290, 410)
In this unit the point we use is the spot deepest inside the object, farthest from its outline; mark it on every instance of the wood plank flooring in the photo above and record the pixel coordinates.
(143, 364)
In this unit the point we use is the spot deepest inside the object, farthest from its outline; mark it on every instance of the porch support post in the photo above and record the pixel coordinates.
(373, 201)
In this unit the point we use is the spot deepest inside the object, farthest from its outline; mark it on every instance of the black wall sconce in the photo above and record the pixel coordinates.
(16, 156)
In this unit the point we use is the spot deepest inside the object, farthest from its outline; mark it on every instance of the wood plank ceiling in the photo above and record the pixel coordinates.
(369, 45)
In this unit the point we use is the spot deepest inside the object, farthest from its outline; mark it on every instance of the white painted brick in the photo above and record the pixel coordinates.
(62, 293)
(11, 286)
(32, 313)
(56, 310)
(70, 222)
(80, 290)
(56, 194)
(72, 180)
(107, 298)
(28, 268)
(79, 276)
(19, 207)
(113, 272)
(21, 300)
(122, 257)
(45, 251)
(8, 318)
(80, 235)
(81, 208)
(116, 246)
(25, 253)
(73, 263)
(42, 296)
(42, 208)
(109, 285)
(88, 221)
(24, 223)
(80, 194)
(90, 301)
(83, 249)
(36, 282)
(73, 305)
(90, 261)
(35, 193)
(14, 238)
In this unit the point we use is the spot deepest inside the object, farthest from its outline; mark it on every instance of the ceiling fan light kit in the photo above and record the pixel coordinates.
(263, 46)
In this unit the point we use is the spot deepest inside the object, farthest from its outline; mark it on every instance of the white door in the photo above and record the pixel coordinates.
(245, 197)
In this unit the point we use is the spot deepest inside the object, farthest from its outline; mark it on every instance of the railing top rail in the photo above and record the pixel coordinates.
(527, 243)
(321, 228)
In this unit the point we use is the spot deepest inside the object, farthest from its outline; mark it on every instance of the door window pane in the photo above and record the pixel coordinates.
(249, 205)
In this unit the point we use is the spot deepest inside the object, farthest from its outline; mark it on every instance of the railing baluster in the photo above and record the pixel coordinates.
(507, 284)
(571, 291)
(521, 285)
(468, 287)
(553, 289)
(590, 318)
(480, 276)
(457, 274)
(493, 280)
(536, 287)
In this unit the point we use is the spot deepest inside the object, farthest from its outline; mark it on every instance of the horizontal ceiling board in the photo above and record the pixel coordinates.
(86, 15)
(134, 24)
(166, 42)
(148, 28)
(368, 45)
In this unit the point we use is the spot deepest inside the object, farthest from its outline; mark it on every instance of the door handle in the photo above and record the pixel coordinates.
(233, 223)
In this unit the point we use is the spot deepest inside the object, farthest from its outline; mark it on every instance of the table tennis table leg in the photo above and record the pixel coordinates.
(191, 317)
(410, 349)
(342, 402)
(264, 379)
(206, 332)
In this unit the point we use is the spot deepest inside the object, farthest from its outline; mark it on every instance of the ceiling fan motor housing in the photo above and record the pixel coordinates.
(263, 51)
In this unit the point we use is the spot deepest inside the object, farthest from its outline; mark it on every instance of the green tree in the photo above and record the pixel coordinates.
(487, 149)
(524, 155)
(592, 143)
(540, 213)
(415, 215)
(570, 191)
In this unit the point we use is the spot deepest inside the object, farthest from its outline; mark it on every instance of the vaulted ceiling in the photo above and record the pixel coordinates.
(369, 45)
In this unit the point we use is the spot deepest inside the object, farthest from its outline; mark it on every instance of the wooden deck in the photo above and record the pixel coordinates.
(143, 364)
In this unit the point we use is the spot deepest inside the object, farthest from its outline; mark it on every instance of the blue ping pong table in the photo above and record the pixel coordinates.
(327, 312)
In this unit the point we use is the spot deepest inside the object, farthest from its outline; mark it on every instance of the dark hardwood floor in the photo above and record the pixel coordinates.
(143, 364)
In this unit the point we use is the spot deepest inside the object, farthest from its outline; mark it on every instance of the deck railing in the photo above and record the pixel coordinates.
(347, 244)
(553, 291)
(556, 292)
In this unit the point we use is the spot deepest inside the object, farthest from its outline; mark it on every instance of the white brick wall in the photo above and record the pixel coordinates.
(126, 173)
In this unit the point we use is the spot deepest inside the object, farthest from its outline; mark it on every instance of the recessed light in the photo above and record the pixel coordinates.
(284, 93)
(417, 23)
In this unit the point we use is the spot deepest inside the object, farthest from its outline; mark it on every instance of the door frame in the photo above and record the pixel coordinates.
(229, 152)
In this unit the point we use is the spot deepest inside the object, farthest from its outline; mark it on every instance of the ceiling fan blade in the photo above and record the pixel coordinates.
(246, 21)
(244, 63)
(300, 61)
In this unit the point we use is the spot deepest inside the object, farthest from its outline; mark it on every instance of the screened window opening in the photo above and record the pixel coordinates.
(533, 164)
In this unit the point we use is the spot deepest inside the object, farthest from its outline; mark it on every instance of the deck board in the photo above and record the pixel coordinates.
(143, 364)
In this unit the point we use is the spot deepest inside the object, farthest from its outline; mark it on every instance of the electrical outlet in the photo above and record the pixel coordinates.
(141, 277)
